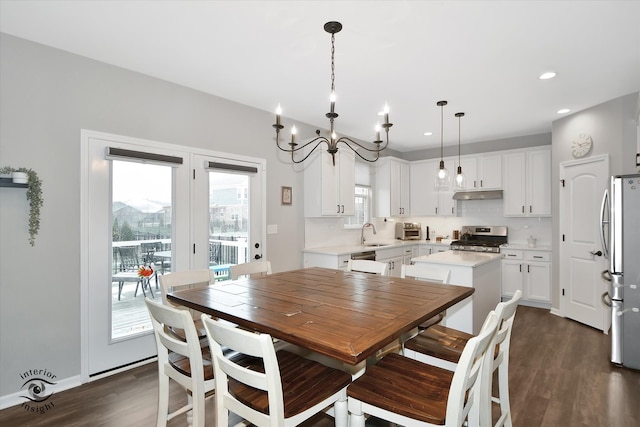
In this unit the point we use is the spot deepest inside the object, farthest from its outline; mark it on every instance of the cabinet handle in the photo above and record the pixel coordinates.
(475, 185)
(452, 209)
(528, 268)
(537, 256)
(522, 208)
(530, 209)
(481, 184)
(342, 209)
(436, 211)
(511, 254)
(520, 268)
(338, 211)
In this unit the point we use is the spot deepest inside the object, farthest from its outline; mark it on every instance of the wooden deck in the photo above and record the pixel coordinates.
(130, 315)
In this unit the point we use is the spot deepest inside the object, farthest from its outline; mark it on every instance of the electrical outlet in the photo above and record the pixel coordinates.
(272, 229)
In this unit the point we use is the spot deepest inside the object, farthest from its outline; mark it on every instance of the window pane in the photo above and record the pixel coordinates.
(363, 206)
(141, 236)
(228, 221)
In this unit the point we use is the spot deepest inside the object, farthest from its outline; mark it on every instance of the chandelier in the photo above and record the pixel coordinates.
(332, 141)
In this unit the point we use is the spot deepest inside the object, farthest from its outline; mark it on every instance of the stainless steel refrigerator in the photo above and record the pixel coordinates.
(620, 233)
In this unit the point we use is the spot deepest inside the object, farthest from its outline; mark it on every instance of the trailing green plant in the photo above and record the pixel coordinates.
(34, 196)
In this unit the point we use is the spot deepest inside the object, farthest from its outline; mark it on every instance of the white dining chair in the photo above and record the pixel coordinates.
(182, 361)
(252, 268)
(267, 388)
(187, 279)
(411, 393)
(442, 347)
(367, 266)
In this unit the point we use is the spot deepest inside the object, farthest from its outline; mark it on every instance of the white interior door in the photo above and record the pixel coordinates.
(229, 212)
(581, 260)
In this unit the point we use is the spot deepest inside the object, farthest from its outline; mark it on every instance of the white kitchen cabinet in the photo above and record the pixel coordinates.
(394, 257)
(527, 183)
(530, 272)
(483, 172)
(326, 260)
(330, 190)
(425, 199)
(392, 187)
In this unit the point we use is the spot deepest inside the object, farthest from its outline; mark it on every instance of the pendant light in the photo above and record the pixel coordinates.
(442, 174)
(460, 183)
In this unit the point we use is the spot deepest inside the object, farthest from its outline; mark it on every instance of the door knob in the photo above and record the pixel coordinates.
(596, 253)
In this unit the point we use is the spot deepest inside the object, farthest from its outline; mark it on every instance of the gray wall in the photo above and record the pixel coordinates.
(47, 96)
(613, 127)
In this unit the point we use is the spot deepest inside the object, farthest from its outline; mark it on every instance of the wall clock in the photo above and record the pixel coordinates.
(581, 145)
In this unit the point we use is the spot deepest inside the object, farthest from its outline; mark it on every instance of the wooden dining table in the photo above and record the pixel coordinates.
(346, 316)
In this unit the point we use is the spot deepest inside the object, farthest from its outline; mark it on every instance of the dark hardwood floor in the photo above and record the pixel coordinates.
(560, 375)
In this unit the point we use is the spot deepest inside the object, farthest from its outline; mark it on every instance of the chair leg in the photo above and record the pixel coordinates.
(163, 399)
(356, 417)
(120, 285)
(503, 390)
(140, 282)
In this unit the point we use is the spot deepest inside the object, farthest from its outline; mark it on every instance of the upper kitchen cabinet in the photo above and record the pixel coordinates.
(425, 199)
(330, 190)
(483, 172)
(391, 187)
(527, 183)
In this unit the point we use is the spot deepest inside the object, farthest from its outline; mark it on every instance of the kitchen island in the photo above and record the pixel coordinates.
(474, 269)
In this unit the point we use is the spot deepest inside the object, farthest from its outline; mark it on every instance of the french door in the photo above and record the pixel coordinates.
(165, 207)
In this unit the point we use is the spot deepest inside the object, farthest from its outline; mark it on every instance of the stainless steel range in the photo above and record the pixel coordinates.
(479, 238)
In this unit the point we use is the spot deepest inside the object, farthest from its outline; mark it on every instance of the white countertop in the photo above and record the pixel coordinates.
(349, 249)
(460, 258)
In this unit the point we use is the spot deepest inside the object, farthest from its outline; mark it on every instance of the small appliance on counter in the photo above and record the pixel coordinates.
(408, 231)
(478, 238)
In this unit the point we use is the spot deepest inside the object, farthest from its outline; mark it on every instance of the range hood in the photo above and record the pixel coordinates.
(477, 195)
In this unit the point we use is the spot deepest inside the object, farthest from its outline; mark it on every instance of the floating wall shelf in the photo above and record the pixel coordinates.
(8, 182)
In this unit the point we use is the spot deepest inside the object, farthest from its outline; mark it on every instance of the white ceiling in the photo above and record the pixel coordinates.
(484, 57)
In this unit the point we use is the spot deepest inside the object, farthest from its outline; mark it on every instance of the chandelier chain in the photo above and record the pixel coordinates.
(333, 65)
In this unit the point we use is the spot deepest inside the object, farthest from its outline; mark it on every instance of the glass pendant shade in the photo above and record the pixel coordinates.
(460, 182)
(442, 178)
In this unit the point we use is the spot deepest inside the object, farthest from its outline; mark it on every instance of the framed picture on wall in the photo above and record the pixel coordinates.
(286, 195)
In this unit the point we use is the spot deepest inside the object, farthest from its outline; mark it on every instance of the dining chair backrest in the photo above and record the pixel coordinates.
(187, 279)
(252, 268)
(179, 360)
(367, 266)
(425, 272)
(467, 392)
(506, 312)
(249, 381)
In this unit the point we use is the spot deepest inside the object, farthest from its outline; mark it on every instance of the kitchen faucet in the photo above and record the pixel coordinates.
(368, 224)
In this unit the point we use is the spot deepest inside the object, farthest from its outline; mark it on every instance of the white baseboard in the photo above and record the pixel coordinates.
(17, 398)
(557, 312)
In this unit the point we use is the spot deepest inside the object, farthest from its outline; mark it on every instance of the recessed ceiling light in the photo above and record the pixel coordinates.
(563, 111)
(547, 76)
(428, 133)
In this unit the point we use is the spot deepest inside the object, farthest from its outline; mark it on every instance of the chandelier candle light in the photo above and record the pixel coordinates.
(460, 183)
(333, 140)
(442, 174)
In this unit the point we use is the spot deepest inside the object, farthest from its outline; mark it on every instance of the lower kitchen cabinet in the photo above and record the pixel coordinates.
(326, 260)
(394, 257)
(530, 272)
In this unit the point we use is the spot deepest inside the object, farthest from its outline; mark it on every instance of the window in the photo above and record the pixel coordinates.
(363, 207)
